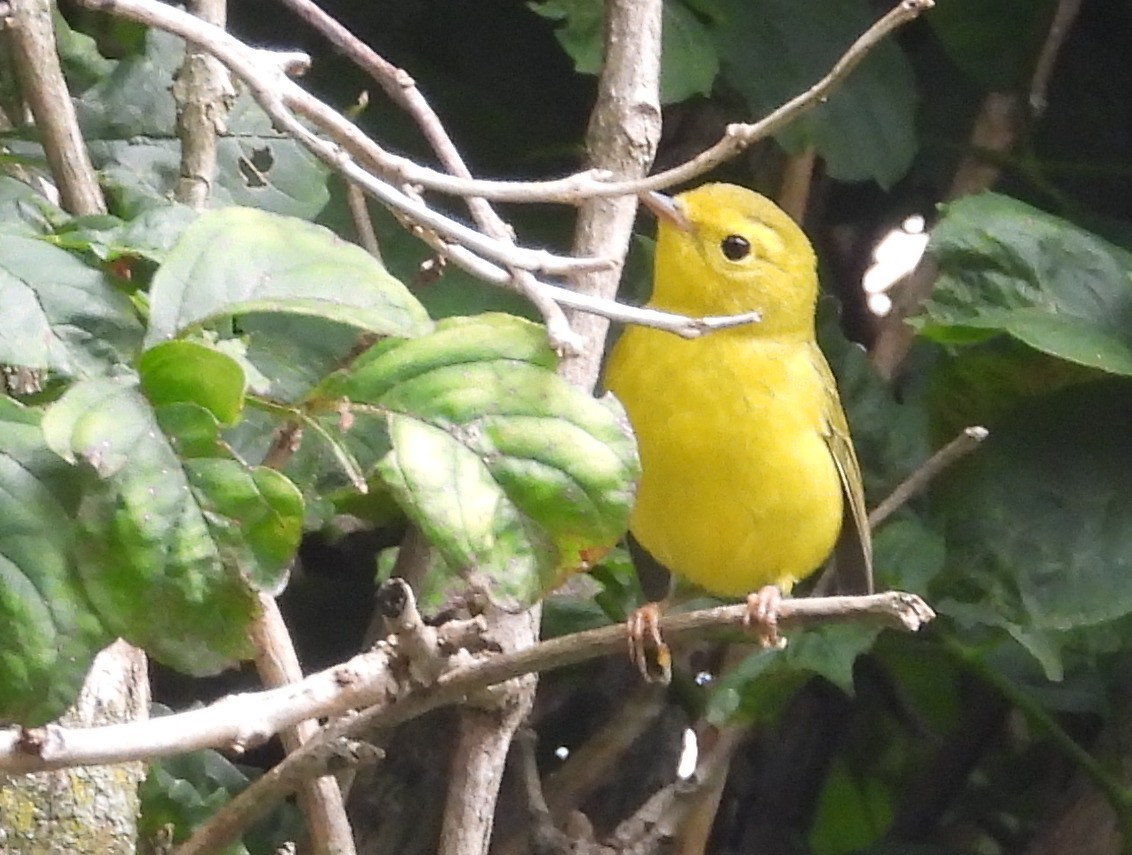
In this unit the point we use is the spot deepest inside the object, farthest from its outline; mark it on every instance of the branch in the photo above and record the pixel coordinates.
(622, 137)
(264, 72)
(967, 441)
(371, 681)
(320, 797)
(573, 189)
(204, 95)
(402, 89)
(235, 816)
(32, 38)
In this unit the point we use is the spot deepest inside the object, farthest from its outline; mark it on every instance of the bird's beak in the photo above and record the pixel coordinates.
(666, 208)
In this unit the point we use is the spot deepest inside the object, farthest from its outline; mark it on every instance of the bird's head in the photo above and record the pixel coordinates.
(723, 249)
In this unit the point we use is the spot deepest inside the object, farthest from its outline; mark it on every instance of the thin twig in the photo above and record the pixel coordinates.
(967, 441)
(32, 38)
(573, 189)
(402, 89)
(659, 818)
(363, 223)
(265, 74)
(368, 681)
(1063, 18)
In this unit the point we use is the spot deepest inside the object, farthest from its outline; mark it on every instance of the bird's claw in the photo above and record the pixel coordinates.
(643, 627)
(762, 616)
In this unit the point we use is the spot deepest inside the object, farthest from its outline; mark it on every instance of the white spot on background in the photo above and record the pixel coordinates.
(894, 257)
(689, 756)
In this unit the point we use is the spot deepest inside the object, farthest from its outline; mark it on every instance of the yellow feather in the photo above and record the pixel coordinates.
(747, 463)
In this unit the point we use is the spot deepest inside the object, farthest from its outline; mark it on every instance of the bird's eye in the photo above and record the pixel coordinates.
(735, 247)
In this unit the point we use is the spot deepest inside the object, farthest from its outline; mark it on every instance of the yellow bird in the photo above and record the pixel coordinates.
(748, 472)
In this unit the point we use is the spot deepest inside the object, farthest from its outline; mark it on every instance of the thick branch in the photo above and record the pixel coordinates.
(622, 137)
(204, 95)
(32, 38)
(320, 797)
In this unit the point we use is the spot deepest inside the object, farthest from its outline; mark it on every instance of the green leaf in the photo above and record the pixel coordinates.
(1007, 267)
(759, 687)
(49, 634)
(908, 555)
(773, 50)
(689, 61)
(176, 371)
(999, 57)
(237, 260)
(1039, 521)
(59, 313)
(184, 791)
(149, 234)
(511, 472)
(129, 123)
(25, 212)
(173, 534)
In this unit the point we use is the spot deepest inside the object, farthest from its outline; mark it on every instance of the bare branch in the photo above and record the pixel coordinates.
(204, 95)
(967, 441)
(278, 665)
(402, 89)
(622, 137)
(370, 682)
(32, 37)
(1063, 18)
(234, 817)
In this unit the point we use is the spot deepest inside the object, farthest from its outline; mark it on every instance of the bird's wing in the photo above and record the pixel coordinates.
(853, 554)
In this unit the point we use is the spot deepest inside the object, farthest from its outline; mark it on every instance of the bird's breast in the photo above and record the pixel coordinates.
(738, 487)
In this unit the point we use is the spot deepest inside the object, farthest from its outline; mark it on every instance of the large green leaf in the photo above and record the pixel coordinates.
(1007, 267)
(175, 536)
(238, 260)
(128, 120)
(60, 314)
(513, 474)
(773, 50)
(999, 57)
(1040, 520)
(689, 61)
(48, 630)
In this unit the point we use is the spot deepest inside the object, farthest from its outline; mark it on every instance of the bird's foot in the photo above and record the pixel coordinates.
(643, 627)
(762, 616)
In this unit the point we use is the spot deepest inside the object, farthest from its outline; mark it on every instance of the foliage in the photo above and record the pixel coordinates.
(137, 507)
(177, 355)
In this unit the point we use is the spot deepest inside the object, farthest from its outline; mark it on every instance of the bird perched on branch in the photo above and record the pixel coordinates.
(749, 478)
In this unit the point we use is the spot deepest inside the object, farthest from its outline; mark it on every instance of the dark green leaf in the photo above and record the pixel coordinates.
(758, 688)
(238, 260)
(59, 313)
(1007, 267)
(999, 57)
(907, 555)
(183, 792)
(49, 633)
(773, 50)
(1040, 519)
(511, 472)
(128, 120)
(173, 534)
(689, 62)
